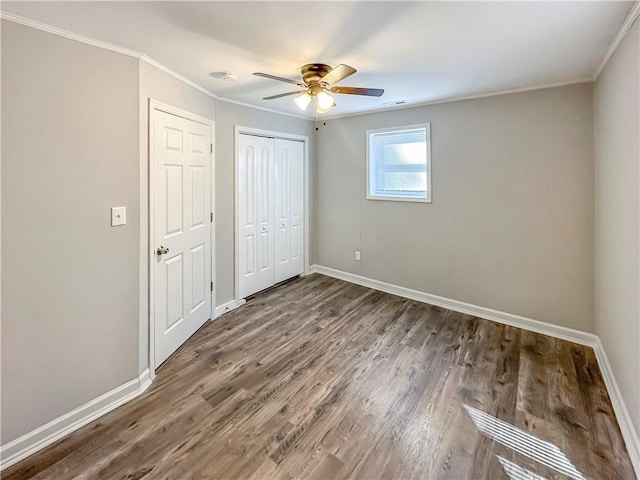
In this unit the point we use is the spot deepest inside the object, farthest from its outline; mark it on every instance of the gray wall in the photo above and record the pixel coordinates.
(617, 239)
(511, 223)
(158, 85)
(70, 150)
(73, 325)
(510, 227)
(228, 115)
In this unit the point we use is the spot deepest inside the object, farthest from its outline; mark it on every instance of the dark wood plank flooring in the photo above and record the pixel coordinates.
(319, 378)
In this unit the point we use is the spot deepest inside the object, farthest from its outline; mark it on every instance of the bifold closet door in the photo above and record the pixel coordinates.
(255, 213)
(289, 206)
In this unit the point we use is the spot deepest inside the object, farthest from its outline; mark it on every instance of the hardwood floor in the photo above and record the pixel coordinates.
(319, 378)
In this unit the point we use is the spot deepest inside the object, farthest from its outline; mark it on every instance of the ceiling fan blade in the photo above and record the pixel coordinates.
(273, 77)
(284, 94)
(341, 72)
(370, 92)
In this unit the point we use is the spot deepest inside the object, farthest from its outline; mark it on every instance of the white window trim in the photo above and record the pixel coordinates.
(427, 199)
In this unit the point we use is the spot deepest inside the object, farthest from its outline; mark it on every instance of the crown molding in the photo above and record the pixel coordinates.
(27, 22)
(264, 109)
(464, 97)
(176, 75)
(624, 28)
(617, 40)
(217, 97)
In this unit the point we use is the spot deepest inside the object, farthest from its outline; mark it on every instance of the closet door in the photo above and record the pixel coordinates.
(255, 213)
(289, 208)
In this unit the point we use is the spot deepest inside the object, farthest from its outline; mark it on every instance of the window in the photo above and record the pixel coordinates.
(398, 163)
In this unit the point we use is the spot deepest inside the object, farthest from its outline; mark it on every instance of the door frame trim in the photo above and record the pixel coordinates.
(259, 132)
(156, 106)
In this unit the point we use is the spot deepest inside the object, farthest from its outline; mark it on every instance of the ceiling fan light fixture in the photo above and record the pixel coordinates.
(303, 101)
(325, 101)
(324, 110)
(318, 81)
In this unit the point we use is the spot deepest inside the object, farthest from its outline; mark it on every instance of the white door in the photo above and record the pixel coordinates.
(255, 214)
(182, 224)
(289, 205)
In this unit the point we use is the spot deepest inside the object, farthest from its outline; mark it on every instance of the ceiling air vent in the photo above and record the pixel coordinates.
(394, 104)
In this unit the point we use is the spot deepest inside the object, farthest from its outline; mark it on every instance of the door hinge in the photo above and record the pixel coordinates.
(212, 286)
(211, 148)
(211, 217)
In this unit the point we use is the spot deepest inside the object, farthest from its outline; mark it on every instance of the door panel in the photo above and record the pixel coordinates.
(297, 210)
(270, 206)
(198, 280)
(265, 221)
(255, 223)
(289, 205)
(282, 207)
(172, 200)
(198, 197)
(175, 287)
(182, 195)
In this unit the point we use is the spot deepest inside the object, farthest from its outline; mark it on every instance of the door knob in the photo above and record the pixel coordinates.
(162, 250)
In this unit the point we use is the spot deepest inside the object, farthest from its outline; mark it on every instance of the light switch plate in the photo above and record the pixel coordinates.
(118, 216)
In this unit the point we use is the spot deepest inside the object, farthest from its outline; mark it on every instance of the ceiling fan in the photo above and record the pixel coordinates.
(318, 81)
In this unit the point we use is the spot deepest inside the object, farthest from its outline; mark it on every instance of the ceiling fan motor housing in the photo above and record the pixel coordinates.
(312, 73)
(319, 80)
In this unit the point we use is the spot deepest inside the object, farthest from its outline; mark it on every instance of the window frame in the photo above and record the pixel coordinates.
(398, 198)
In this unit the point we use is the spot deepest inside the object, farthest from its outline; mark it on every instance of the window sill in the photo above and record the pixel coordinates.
(399, 199)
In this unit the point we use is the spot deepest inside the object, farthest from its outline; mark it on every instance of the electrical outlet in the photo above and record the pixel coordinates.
(118, 216)
(357, 254)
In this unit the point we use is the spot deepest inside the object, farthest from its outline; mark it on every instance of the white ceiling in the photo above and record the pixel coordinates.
(417, 51)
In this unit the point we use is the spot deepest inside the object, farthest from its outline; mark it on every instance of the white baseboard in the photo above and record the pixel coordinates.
(56, 429)
(564, 333)
(144, 380)
(627, 428)
(227, 307)
(49, 433)
(576, 336)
